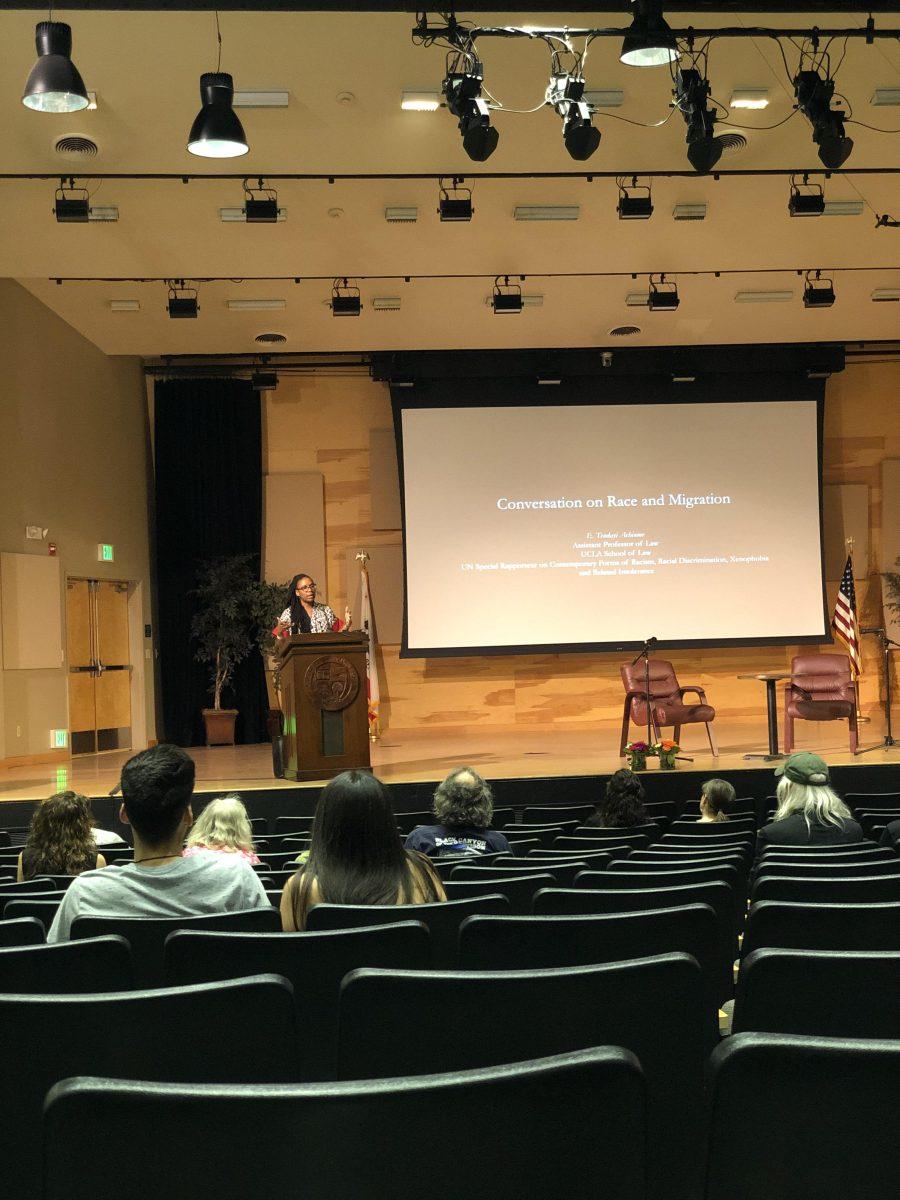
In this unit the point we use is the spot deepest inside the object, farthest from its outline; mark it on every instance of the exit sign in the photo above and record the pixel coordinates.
(59, 738)
(105, 552)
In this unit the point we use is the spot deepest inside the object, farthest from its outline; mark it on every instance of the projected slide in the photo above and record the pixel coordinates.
(573, 525)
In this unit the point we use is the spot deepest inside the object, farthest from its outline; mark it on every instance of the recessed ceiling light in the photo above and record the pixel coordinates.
(259, 99)
(345, 98)
(750, 98)
(546, 212)
(762, 297)
(637, 299)
(886, 295)
(886, 95)
(398, 215)
(108, 212)
(842, 208)
(238, 214)
(689, 212)
(255, 305)
(419, 101)
(386, 303)
(125, 305)
(335, 213)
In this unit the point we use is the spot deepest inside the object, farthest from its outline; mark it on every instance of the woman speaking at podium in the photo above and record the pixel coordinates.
(304, 615)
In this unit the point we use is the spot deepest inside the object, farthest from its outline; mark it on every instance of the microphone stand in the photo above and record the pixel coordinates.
(888, 743)
(645, 655)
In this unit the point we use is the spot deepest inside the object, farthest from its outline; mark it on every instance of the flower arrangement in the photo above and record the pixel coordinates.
(665, 752)
(639, 751)
(637, 754)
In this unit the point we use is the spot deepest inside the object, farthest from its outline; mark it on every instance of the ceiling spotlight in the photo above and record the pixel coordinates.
(506, 297)
(566, 95)
(649, 41)
(455, 202)
(691, 93)
(663, 295)
(71, 203)
(818, 292)
(217, 131)
(345, 299)
(814, 95)
(260, 204)
(54, 84)
(635, 203)
(464, 99)
(183, 301)
(806, 199)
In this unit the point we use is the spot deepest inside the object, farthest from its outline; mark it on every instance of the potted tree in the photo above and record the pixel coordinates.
(223, 629)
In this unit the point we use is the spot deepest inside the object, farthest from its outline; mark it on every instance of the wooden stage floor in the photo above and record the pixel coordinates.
(408, 756)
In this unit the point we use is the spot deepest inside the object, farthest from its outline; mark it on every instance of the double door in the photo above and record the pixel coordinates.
(99, 665)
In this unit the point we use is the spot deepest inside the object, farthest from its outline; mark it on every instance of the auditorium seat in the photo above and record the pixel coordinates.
(523, 845)
(832, 854)
(833, 889)
(314, 963)
(804, 1118)
(445, 865)
(147, 935)
(40, 883)
(550, 814)
(529, 943)
(98, 965)
(278, 860)
(363, 1139)
(714, 829)
(835, 868)
(21, 931)
(288, 825)
(410, 1022)
(562, 871)
(518, 889)
(602, 856)
(663, 861)
(600, 839)
(543, 835)
(822, 926)
(825, 993)
(443, 919)
(41, 905)
(240, 1031)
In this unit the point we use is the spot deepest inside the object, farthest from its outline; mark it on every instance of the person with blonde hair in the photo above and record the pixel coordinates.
(809, 812)
(223, 828)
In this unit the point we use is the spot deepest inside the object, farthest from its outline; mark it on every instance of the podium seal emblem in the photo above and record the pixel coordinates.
(331, 682)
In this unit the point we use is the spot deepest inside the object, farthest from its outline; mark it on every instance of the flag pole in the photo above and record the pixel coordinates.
(368, 627)
(860, 719)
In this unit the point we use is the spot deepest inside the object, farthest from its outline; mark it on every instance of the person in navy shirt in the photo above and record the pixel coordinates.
(464, 808)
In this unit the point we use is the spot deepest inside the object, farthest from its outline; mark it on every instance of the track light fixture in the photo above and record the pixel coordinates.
(635, 202)
(691, 93)
(814, 95)
(507, 297)
(649, 41)
(262, 380)
(54, 84)
(217, 131)
(71, 203)
(260, 204)
(663, 296)
(566, 94)
(183, 302)
(345, 299)
(462, 88)
(818, 292)
(454, 201)
(806, 199)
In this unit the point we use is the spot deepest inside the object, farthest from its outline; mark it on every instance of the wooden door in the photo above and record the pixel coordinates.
(99, 665)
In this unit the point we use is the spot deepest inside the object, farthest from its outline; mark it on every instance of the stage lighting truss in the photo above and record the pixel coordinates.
(814, 94)
(806, 199)
(506, 297)
(565, 93)
(345, 299)
(663, 295)
(71, 203)
(454, 200)
(462, 86)
(691, 92)
(635, 200)
(260, 204)
(184, 299)
(818, 292)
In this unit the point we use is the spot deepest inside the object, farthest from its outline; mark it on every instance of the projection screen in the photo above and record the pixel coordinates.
(596, 526)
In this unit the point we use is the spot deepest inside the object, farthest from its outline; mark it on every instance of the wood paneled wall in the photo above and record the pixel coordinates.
(322, 423)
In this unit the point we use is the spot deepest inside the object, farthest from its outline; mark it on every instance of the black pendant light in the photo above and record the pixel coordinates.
(54, 84)
(217, 132)
(649, 42)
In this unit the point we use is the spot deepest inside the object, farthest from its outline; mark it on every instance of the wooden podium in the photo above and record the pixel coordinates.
(325, 703)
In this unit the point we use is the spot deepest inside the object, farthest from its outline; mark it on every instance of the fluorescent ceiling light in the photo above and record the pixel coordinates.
(750, 98)
(411, 101)
(684, 378)
(843, 208)
(398, 215)
(237, 214)
(386, 303)
(637, 299)
(108, 213)
(689, 212)
(125, 305)
(882, 295)
(260, 100)
(609, 98)
(255, 305)
(762, 297)
(546, 212)
(885, 95)
(545, 381)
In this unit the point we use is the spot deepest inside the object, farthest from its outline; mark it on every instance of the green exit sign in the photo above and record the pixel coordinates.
(105, 552)
(59, 738)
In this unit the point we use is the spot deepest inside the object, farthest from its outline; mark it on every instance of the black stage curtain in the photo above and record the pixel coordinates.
(208, 446)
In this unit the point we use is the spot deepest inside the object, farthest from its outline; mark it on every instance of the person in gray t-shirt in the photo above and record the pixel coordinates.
(157, 786)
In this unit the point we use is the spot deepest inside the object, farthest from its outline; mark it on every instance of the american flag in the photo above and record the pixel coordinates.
(368, 627)
(844, 623)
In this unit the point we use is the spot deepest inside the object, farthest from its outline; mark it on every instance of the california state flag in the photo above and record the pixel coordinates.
(368, 626)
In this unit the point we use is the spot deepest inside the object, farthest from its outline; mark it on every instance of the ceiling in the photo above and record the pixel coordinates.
(145, 66)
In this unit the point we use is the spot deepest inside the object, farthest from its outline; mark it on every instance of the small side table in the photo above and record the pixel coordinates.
(769, 678)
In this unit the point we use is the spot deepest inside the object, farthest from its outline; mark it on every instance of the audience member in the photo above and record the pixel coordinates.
(60, 839)
(622, 804)
(222, 828)
(891, 836)
(355, 856)
(464, 807)
(157, 785)
(809, 812)
(716, 800)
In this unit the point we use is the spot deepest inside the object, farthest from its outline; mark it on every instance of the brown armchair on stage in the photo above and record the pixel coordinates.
(821, 688)
(667, 702)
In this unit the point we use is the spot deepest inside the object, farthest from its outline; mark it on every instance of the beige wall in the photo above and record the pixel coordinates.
(323, 423)
(73, 459)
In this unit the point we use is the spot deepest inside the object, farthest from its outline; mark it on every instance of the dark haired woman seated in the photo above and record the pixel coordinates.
(355, 856)
(60, 840)
(622, 804)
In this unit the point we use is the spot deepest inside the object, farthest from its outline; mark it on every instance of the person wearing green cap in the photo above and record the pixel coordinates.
(809, 812)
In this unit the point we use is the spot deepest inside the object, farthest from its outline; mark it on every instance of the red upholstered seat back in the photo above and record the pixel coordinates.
(663, 685)
(824, 676)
